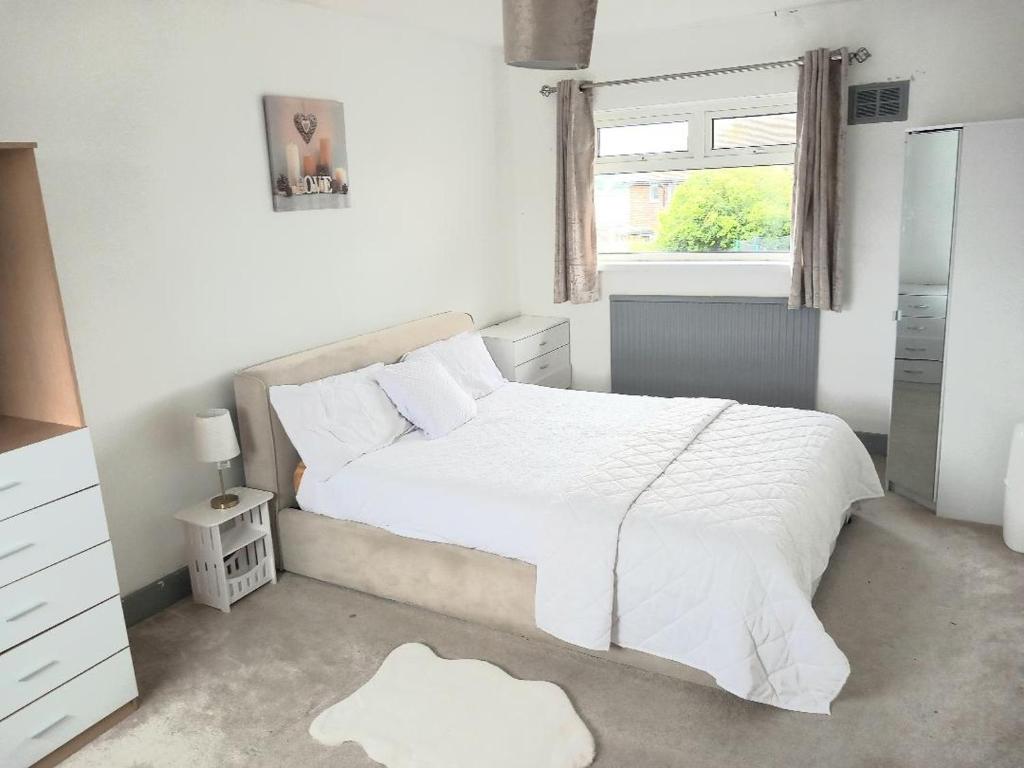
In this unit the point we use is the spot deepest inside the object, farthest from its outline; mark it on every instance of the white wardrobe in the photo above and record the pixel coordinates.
(969, 393)
(65, 667)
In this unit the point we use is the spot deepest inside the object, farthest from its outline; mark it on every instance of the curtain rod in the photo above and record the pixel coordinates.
(858, 56)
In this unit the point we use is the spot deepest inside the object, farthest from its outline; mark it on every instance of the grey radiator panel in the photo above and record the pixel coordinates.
(754, 350)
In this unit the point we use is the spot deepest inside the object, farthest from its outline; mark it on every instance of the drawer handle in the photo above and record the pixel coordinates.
(921, 306)
(542, 344)
(26, 611)
(915, 328)
(912, 371)
(36, 671)
(43, 731)
(16, 549)
(917, 349)
(544, 366)
(9, 486)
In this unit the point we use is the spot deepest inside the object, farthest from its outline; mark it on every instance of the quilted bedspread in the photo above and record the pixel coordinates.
(702, 540)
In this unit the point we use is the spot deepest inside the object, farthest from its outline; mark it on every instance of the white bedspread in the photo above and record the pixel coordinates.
(695, 530)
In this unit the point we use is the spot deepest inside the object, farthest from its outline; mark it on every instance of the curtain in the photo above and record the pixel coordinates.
(818, 181)
(576, 230)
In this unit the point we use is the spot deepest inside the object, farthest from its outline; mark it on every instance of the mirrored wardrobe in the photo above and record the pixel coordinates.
(926, 244)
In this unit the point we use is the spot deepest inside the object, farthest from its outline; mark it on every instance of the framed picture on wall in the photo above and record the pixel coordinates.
(306, 144)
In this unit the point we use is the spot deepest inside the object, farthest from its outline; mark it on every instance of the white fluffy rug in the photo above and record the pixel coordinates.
(423, 711)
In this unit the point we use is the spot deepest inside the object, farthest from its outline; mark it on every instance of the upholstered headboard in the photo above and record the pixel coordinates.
(267, 453)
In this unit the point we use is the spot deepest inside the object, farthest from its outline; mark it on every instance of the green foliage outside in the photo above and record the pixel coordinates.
(729, 209)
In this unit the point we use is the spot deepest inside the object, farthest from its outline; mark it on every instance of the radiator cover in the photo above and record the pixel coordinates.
(754, 350)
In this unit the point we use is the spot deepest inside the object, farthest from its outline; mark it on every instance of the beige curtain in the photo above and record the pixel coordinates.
(576, 231)
(818, 181)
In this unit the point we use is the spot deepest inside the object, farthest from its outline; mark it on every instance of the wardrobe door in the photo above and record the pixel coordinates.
(983, 394)
(929, 203)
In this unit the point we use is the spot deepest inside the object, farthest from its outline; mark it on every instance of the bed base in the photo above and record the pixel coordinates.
(463, 583)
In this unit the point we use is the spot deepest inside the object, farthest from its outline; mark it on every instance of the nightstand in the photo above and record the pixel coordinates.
(532, 350)
(230, 551)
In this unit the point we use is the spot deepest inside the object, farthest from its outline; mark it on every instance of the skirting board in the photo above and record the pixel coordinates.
(876, 443)
(154, 597)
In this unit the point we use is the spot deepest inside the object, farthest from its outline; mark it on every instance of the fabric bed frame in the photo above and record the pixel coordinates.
(456, 581)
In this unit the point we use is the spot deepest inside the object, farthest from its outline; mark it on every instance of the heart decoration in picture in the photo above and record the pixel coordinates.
(306, 146)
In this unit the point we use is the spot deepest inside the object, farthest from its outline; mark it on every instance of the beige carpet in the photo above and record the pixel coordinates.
(930, 613)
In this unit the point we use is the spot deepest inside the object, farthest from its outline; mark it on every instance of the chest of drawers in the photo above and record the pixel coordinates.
(64, 658)
(532, 350)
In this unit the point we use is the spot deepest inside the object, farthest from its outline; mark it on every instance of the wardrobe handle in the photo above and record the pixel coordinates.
(42, 731)
(36, 671)
(16, 549)
(543, 367)
(9, 486)
(26, 611)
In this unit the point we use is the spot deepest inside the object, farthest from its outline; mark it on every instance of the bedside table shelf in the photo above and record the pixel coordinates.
(240, 536)
(231, 552)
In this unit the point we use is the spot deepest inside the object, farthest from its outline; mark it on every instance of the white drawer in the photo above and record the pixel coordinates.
(37, 730)
(552, 367)
(922, 306)
(37, 602)
(919, 349)
(920, 371)
(911, 328)
(48, 534)
(42, 472)
(37, 667)
(541, 343)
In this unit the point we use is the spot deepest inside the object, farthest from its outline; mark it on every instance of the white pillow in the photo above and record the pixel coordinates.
(336, 420)
(427, 395)
(467, 360)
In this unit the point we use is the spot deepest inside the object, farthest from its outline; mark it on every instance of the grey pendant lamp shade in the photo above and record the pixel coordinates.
(549, 34)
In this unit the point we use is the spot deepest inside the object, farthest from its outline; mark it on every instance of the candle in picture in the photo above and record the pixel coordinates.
(340, 180)
(308, 165)
(291, 156)
(325, 151)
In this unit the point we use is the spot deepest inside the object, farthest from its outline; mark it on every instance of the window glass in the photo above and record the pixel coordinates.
(650, 138)
(711, 210)
(753, 131)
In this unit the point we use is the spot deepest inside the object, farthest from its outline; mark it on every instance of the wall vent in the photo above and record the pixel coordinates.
(879, 102)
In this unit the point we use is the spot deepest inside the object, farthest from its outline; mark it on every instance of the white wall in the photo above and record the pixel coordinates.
(174, 269)
(966, 63)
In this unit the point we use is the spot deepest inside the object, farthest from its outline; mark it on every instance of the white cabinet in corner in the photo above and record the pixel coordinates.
(532, 350)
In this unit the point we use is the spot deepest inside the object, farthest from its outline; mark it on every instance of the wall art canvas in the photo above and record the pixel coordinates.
(308, 163)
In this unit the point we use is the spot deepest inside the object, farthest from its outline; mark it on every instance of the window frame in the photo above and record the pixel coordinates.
(700, 155)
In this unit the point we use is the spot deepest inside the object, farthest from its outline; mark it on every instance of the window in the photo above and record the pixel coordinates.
(709, 181)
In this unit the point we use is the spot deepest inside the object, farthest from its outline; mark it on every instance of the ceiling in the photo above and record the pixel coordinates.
(480, 20)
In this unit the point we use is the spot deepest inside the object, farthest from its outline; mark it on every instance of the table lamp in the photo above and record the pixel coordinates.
(216, 444)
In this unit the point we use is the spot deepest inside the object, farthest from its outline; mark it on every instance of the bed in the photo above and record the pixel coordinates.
(682, 536)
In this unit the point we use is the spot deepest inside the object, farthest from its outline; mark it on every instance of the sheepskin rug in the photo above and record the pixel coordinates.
(420, 710)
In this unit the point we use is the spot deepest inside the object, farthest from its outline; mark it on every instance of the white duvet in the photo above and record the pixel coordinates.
(692, 529)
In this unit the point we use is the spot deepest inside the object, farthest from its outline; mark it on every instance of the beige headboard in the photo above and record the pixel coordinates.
(267, 453)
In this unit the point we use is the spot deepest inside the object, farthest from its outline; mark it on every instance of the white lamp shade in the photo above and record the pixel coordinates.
(215, 436)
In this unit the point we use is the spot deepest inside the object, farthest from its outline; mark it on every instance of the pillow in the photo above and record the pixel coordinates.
(427, 395)
(334, 421)
(467, 360)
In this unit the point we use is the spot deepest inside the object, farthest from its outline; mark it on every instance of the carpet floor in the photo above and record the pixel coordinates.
(930, 613)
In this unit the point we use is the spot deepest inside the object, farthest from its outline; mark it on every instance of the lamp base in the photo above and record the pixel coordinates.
(224, 501)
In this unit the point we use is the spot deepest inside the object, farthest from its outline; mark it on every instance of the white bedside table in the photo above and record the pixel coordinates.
(532, 350)
(231, 552)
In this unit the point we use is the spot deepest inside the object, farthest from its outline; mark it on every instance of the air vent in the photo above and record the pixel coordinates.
(879, 102)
